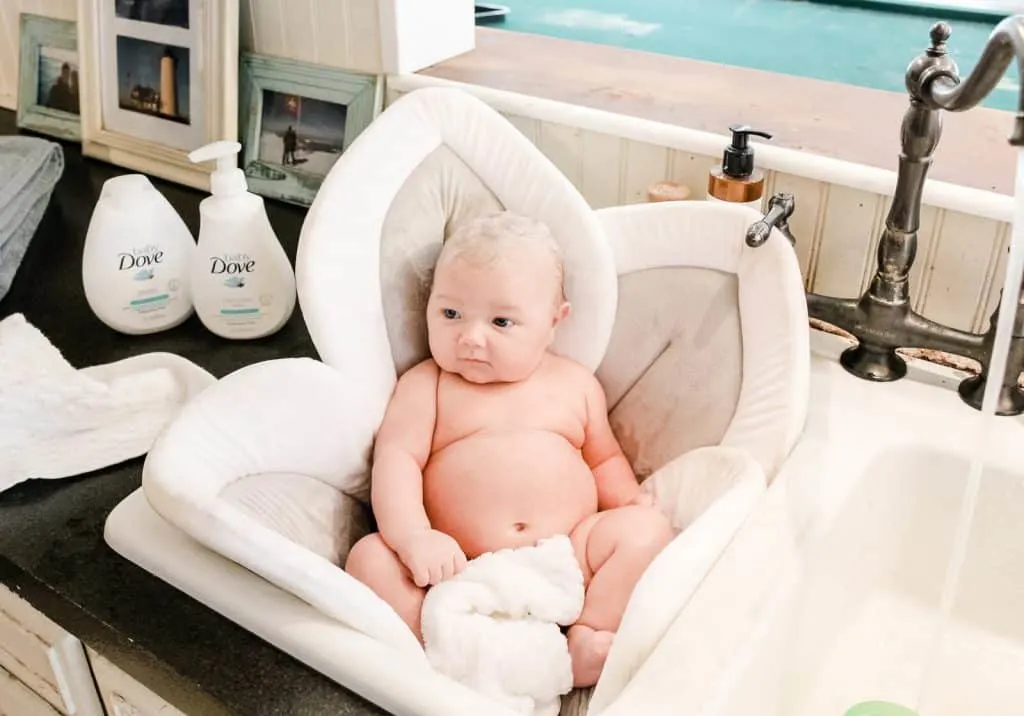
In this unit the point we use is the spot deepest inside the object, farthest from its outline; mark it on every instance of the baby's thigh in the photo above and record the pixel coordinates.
(641, 531)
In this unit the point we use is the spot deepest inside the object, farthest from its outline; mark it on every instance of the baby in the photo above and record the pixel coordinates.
(495, 442)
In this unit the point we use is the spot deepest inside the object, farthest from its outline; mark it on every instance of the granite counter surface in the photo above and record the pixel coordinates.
(52, 550)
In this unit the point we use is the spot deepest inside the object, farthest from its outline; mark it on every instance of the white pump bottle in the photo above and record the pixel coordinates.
(243, 285)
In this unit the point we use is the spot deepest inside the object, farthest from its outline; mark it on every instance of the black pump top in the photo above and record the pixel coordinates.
(738, 160)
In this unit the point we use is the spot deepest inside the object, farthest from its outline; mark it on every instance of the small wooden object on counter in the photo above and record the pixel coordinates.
(667, 191)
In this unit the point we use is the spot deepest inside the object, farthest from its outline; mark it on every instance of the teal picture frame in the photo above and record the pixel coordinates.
(313, 110)
(47, 78)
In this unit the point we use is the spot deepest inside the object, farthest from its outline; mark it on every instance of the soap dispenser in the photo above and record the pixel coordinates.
(137, 258)
(242, 282)
(737, 180)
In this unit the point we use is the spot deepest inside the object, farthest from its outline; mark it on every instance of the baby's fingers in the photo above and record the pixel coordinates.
(420, 575)
(459, 562)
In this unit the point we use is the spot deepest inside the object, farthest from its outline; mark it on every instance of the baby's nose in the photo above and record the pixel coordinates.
(472, 336)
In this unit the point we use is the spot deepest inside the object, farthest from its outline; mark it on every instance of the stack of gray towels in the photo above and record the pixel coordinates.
(29, 169)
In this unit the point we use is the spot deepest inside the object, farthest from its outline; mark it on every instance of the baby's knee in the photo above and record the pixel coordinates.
(368, 555)
(647, 530)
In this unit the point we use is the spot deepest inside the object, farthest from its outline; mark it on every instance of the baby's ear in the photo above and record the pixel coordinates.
(563, 312)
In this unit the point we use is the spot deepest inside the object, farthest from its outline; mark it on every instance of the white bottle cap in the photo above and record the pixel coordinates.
(127, 192)
(227, 179)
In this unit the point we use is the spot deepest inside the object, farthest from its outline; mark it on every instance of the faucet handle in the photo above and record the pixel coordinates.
(780, 208)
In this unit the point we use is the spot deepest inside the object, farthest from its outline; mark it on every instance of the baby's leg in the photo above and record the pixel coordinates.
(614, 549)
(373, 563)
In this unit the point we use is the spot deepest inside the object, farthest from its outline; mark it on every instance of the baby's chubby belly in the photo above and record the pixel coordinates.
(493, 490)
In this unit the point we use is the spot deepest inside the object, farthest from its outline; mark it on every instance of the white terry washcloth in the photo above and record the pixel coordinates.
(495, 626)
(58, 421)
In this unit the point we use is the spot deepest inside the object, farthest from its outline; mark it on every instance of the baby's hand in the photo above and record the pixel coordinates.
(431, 557)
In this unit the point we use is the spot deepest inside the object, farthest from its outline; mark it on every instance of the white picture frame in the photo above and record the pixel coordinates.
(153, 88)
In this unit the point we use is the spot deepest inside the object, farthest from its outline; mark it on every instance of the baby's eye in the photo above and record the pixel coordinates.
(502, 322)
(450, 313)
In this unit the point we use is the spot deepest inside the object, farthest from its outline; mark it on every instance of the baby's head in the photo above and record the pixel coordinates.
(496, 298)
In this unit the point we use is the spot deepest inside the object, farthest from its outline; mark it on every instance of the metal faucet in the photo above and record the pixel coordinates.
(882, 320)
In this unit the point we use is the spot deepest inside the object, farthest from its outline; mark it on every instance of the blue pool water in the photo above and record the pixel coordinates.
(795, 37)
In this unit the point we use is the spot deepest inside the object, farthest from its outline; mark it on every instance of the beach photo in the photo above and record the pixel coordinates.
(48, 77)
(162, 12)
(305, 135)
(153, 78)
(58, 79)
(297, 120)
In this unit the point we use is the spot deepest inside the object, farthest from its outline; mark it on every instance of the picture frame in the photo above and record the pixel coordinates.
(307, 113)
(48, 72)
(159, 80)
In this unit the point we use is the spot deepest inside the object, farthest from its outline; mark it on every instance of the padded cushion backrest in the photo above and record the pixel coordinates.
(338, 266)
(441, 192)
(725, 359)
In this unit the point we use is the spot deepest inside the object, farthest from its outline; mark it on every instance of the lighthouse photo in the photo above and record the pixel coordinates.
(153, 78)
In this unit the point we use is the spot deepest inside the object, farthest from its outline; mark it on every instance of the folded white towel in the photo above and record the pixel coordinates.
(494, 627)
(57, 421)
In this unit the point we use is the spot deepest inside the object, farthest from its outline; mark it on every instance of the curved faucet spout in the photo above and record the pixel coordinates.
(938, 85)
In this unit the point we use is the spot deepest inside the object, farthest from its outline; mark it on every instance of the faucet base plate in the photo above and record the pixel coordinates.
(881, 365)
(1010, 402)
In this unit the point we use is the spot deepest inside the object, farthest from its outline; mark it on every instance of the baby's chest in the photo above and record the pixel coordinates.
(462, 410)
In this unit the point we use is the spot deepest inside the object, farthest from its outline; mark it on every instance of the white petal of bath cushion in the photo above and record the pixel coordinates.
(338, 266)
(706, 494)
(711, 342)
(246, 468)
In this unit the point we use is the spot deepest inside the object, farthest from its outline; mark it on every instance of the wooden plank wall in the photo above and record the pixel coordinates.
(958, 271)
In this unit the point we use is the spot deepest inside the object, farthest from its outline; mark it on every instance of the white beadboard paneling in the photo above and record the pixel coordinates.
(927, 245)
(268, 19)
(563, 145)
(246, 27)
(805, 223)
(849, 222)
(332, 32)
(527, 125)
(962, 263)
(300, 33)
(644, 164)
(364, 36)
(996, 279)
(602, 169)
(691, 170)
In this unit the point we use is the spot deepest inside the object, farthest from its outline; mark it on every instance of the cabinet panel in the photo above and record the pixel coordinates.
(16, 699)
(45, 658)
(124, 696)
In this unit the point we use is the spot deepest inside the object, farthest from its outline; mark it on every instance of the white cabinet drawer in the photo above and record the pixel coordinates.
(45, 658)
(16, 699)
(124, 696)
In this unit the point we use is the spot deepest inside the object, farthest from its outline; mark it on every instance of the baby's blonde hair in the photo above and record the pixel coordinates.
(484, 240)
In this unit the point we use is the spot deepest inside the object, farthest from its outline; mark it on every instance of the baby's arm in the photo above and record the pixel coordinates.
(616, 483)
(400, 453)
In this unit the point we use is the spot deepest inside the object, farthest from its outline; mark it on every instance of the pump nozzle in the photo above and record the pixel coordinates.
(227, 178)
(738, 160)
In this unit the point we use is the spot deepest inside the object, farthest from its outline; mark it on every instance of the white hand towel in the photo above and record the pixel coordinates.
(57, 421)
(495, 627)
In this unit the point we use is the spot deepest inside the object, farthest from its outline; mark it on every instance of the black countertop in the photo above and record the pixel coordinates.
(51, 531)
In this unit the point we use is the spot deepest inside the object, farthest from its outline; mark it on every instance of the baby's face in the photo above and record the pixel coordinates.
(493, 324)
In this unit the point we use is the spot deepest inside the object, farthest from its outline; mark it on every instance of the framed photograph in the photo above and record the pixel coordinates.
(297, 119)
(48, 77)
(160, 80)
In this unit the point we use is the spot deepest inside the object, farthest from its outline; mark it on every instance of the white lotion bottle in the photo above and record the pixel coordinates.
(137, 259)
(242, 282)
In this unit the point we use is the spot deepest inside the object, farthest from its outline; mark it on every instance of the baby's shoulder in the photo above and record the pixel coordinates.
(575, 375)
(425, 374)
